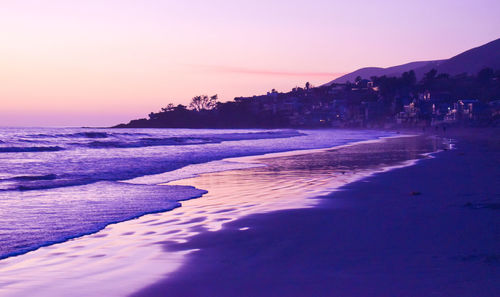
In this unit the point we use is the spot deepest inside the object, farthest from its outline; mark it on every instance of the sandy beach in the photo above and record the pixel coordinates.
(400, 222)
(426, 230)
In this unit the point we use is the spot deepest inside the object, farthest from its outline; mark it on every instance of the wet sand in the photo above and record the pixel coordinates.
(432, 229)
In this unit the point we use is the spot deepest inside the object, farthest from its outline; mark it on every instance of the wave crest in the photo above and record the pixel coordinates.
(27, 149)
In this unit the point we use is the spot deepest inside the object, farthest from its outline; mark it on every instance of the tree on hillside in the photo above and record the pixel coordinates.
(485, 75)
(170, 107)
(429, 78)
(409, 78)
(203, 102)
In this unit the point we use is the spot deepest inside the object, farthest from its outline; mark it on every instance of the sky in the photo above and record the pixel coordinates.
(103, 62)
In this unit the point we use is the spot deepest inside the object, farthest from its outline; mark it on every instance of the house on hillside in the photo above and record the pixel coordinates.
(409, 115)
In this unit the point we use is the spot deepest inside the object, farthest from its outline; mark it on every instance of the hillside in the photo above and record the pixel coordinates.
(368, 72)
(471, 62)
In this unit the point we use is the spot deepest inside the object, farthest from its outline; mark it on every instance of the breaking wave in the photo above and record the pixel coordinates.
(27, 149)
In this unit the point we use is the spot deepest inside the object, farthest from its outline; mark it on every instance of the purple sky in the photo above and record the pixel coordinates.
(98, 62)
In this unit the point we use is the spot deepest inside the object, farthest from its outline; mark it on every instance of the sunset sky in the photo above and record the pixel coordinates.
(102, 62)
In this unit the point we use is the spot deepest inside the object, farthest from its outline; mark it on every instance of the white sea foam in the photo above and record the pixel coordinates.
(191, 171)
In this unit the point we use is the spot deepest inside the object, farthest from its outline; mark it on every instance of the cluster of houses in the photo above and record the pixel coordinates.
(332, 106)
(361, 105)
(429, 111)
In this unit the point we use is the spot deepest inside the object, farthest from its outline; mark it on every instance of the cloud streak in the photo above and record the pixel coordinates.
(248, 71)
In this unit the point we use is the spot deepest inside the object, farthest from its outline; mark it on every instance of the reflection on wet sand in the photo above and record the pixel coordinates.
(289, 181)
(127, 256)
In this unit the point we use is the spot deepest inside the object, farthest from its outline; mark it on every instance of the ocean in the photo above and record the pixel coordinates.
(61, 183)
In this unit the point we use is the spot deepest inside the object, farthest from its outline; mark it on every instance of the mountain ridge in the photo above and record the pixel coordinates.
(470, 62)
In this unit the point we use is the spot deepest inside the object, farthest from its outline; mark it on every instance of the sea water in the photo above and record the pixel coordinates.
(60, 183)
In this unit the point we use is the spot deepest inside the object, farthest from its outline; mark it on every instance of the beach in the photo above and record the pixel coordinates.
(426, 230)
(402, 216)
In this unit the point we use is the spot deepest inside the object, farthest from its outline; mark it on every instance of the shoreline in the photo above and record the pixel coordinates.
(94, 229)
(191, 227)
(433, 232)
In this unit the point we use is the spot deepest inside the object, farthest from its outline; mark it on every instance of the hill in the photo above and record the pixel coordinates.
(471, 62)
(368, 72)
